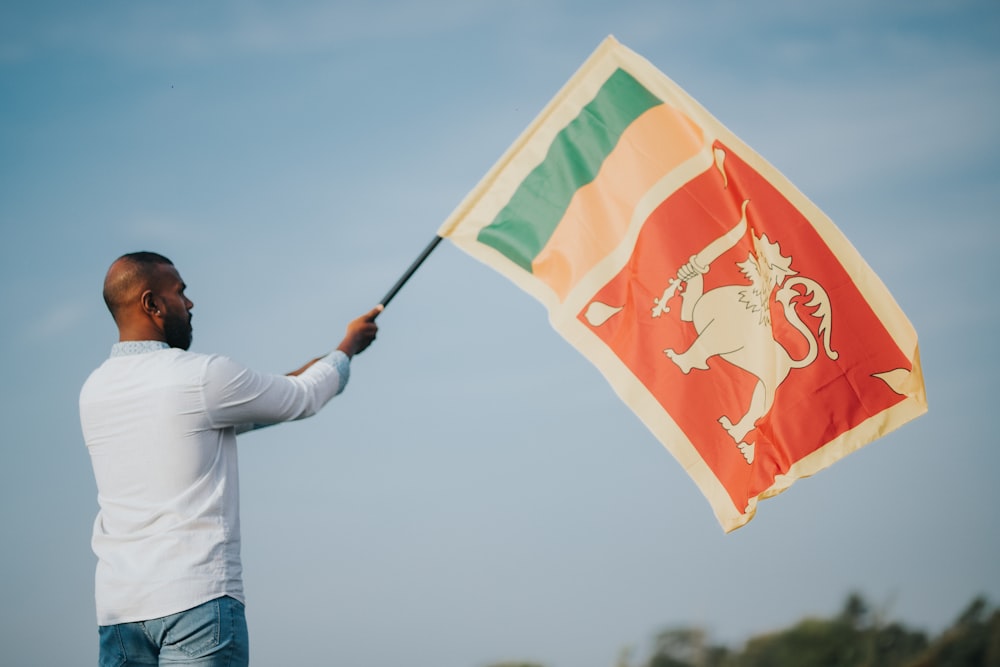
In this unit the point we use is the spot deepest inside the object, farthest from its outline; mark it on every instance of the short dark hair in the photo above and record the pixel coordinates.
(137, 267)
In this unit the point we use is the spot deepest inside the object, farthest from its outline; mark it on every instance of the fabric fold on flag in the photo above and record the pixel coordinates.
(726, 310)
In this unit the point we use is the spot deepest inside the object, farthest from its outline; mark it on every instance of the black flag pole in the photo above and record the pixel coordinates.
(410, 271)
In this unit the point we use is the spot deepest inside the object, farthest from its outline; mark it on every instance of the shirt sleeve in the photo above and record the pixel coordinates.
(237, 396)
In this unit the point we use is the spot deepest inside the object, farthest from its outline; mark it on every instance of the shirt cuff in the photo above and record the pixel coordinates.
(342, 363)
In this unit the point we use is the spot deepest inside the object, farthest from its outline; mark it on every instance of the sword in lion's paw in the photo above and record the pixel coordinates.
(701, 261)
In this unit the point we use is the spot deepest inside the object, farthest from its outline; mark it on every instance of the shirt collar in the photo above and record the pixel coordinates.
(129, 347)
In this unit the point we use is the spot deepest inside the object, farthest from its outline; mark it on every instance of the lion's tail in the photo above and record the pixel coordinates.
(820, 302)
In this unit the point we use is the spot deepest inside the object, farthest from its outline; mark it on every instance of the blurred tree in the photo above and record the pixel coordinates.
(972, 641)
(678, 647)
(992, 657)
(856, 637)
(624, 657)
(856, 611)
(895, 646)
(810, 643)
(687, 647)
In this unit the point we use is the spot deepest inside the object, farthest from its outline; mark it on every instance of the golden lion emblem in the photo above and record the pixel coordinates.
(733, 322)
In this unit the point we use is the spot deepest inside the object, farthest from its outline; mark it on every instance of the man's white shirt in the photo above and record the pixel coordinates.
(160, 425)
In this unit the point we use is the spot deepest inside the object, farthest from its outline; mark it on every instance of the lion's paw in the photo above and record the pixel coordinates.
(679, 359)
(736, 431)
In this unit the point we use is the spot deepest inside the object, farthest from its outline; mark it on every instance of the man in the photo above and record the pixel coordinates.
(160, 424)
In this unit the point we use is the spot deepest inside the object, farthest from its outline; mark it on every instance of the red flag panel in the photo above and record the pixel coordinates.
(753, 389)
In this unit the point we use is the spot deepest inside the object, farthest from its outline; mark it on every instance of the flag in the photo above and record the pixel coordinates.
(724, 308)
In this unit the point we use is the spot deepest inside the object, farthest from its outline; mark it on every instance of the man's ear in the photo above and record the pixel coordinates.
(148, 302)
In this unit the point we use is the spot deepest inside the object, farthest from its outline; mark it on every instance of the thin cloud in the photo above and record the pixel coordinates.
(60, 320)
(154, 32)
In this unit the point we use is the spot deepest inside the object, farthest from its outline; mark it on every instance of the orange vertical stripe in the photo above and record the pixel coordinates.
(598, 216)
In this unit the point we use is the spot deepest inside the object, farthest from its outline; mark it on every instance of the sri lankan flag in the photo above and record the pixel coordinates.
(723, 306)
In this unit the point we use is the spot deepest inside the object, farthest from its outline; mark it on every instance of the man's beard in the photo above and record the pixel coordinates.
(178, 332)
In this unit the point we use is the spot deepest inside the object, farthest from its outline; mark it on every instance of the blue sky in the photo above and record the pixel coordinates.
(479, 493)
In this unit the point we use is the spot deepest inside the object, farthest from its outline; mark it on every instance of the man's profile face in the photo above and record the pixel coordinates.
(175, 307)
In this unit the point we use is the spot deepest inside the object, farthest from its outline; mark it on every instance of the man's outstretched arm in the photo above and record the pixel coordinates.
(248, 400)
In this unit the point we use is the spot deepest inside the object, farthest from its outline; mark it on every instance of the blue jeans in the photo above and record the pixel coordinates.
(213, 634)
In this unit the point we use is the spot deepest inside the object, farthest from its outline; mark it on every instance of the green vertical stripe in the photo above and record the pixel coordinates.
(524, 226)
